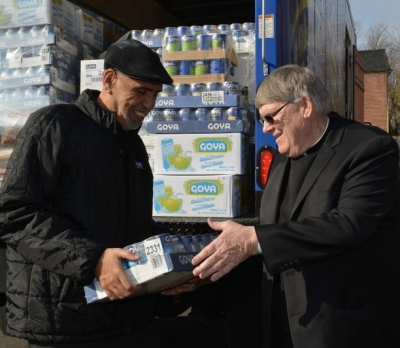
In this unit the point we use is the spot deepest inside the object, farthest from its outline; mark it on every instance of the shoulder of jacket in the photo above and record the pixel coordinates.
(60, 113)
(54, 119)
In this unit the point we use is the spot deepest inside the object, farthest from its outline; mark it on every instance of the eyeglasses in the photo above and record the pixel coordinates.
(270, 117)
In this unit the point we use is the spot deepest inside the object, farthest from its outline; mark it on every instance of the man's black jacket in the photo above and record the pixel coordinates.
(75, 185)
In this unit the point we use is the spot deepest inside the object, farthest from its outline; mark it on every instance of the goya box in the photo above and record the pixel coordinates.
(155, 271)
(89, 29)
(14, 13)
(183, 154)
(203, 195)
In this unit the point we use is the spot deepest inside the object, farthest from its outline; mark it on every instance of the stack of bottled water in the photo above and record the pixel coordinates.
(38, 67)
(207, 37)
(187, 114)
(198, 38)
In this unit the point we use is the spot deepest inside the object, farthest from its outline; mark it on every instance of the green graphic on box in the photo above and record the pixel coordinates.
(207, 195)
(165, 198)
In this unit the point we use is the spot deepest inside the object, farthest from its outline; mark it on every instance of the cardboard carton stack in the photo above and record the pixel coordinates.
(165, 261)
(202, 147)
(41, 44)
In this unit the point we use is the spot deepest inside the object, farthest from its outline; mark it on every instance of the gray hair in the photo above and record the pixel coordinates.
(291, 83)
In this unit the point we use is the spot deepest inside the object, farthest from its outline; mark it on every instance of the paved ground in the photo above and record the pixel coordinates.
(11, 342)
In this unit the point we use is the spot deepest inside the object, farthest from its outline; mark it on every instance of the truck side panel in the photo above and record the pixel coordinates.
(311, 33)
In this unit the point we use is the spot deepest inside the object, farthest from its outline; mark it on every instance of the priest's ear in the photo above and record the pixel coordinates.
(307, 106)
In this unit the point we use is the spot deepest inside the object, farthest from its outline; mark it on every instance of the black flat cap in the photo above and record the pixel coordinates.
(136, 60)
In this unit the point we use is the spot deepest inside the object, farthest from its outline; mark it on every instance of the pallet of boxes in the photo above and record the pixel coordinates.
(40, 46)
(201, 125)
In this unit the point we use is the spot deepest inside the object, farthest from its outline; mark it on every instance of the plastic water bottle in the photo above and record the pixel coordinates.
(10, 53)
(147, 34)
(30, 72)
(42, 92)
(35, 31)
(8, 95)
(201, 114)
(183, 30)
(47, 31)
(186, 114)
(158, 33)
(170, 31)
(23, 32)
(52, 94)
(18, 94)
(16, 73)
(43, 70)
(4, 74)
(11, 34)
(30, 92)
(136, 34)
(248, 26)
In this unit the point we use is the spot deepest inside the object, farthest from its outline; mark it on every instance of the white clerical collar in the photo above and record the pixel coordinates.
(322, 135)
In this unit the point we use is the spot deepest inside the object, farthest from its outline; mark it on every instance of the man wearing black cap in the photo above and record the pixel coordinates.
(79, 188)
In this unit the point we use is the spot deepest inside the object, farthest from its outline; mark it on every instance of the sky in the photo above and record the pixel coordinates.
(368, 12)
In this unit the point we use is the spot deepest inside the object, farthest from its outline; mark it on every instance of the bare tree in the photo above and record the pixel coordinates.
(393, 52)
(377, 36)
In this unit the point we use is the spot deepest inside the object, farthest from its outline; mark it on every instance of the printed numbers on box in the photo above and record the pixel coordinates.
(212, 97)
(153, 249)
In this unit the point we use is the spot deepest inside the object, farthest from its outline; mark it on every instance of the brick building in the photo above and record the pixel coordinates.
(376, 74)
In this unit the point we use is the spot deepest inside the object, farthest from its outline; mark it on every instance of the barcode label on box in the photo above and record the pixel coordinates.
(96, 79)
(157, 261)
(212, 97)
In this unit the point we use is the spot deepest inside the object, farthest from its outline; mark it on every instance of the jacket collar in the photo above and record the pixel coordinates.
(87, 102)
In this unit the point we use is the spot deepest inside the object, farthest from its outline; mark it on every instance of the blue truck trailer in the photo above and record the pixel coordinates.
(318, 34)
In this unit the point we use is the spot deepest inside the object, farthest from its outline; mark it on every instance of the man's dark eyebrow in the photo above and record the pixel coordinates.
(147, 88)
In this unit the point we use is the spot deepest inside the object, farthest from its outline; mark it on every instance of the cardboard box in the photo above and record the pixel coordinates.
(92, 74)
(201, 195)
(199, 127)
(89, 29)
(33, 98)
(200, 101)
(54, 36)
(156, 270)
(202, 78)
(148, 141)
(155, 42)
(48, 54)
(14, 113)
(216, 153)
(89, 52)
(33, 12)
(219, 53)
(44, 75)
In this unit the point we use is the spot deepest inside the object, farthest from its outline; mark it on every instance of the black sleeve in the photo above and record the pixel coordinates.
(29, 222)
